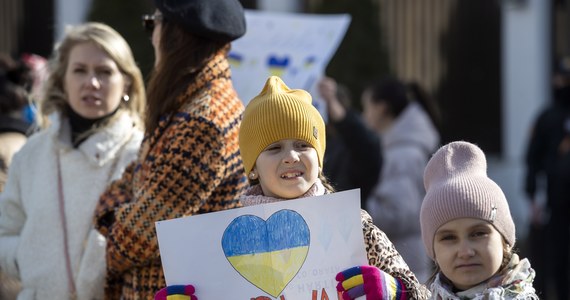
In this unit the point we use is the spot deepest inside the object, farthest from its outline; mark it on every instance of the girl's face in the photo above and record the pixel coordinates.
(93, 83)
(468, 251)
(287, 169)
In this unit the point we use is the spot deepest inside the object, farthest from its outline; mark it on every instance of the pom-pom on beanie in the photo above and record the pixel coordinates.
(457, 186)
(279, 113)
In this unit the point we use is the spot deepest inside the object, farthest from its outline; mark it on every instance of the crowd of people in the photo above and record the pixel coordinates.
(104, 158)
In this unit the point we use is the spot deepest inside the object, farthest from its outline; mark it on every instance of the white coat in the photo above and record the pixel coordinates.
(395, 202)
(31, 231)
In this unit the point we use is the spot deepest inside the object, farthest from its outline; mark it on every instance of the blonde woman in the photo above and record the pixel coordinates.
(91, 130)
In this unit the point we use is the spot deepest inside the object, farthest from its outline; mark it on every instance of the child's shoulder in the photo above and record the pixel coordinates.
(372, 234)
(383, 254)
(365, 218)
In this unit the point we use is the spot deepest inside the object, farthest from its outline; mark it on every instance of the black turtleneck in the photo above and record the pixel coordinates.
(81, 125)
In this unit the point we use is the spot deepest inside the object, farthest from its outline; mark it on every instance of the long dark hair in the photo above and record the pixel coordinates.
(183, 55)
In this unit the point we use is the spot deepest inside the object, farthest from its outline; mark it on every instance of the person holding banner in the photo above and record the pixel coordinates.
(405, 118)
(354, 158)
(189, 161)
(282, 143)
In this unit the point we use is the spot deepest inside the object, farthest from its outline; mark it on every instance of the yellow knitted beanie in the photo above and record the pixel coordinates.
(277, 113)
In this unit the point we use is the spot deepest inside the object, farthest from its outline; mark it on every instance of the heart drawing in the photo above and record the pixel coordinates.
(269, 253)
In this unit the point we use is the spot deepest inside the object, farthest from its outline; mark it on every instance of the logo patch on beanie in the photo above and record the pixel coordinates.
(493, 213)
(315, 132)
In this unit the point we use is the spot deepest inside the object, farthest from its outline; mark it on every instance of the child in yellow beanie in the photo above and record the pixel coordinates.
(282, 144)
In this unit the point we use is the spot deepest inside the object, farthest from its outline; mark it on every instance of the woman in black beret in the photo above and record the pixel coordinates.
(189, 161)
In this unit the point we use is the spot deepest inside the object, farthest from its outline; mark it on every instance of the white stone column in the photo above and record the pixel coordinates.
(525, 90)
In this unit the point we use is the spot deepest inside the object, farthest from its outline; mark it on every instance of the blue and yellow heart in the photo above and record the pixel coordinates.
(269, 253)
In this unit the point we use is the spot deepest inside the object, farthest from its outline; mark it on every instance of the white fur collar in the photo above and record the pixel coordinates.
(102, 145)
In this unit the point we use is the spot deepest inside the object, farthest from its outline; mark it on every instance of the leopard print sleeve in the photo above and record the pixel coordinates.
(383, 254)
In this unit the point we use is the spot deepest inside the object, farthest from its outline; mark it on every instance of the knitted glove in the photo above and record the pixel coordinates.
(370, 281)
(176, 292)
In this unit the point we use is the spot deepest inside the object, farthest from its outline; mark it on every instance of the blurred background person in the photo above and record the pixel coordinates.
(406, 121)
(13, 135)
(548, 174)
(354, 157)
(13, 99)
(92, 129)
(38, 67)
(189, 163)
(18, 78)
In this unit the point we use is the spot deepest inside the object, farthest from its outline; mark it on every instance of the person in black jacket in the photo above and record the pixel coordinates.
(354, 157)
(548, 157)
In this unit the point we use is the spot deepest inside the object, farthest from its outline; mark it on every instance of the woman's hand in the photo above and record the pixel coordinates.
(328, 91)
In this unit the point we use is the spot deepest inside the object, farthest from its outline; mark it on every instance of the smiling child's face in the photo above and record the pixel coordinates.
(468, 251)
(287, 169)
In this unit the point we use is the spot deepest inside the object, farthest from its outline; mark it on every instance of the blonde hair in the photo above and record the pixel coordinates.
(107, 39)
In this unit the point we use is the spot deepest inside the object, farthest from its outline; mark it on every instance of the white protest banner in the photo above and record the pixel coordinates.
(295, 47)
(286, 250)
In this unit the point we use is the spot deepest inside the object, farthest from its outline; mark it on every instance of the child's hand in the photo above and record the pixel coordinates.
(176, 292)
(369, 281)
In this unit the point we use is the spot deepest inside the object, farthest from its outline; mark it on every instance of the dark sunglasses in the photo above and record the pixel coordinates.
(149, 22)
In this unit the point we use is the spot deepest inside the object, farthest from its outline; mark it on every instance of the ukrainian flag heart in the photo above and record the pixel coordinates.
(269, 253)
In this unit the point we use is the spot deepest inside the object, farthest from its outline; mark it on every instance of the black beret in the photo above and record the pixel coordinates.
(219, 20)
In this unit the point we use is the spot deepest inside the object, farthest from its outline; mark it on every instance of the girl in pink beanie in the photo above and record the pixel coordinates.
(468, 231)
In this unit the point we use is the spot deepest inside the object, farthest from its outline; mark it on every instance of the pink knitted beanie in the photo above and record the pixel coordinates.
(457, 186)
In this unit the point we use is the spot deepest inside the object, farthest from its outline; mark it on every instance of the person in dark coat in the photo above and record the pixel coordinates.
(548, 162)
(354, 156)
